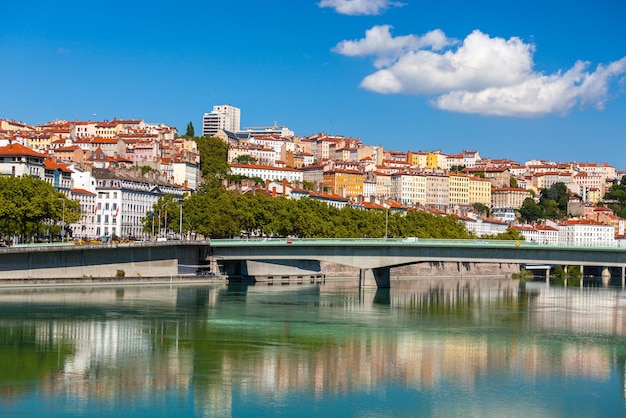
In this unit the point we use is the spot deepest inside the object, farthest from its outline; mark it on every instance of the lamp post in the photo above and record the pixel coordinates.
(181, 221)
(63, 222)
(386, 219)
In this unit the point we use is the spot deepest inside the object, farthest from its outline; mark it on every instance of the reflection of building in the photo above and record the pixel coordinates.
(270, 343)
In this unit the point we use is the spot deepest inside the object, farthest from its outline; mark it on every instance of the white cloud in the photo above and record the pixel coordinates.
(360, 7)
(482, 75)
(379, 42)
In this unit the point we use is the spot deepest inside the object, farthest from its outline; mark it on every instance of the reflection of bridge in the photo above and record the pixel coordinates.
(375, 257)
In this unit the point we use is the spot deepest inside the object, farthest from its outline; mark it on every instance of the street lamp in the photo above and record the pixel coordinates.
(181, 221)
(63, 222)
(386, 219)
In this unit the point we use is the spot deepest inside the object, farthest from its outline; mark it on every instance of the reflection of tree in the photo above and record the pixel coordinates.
(24, 358)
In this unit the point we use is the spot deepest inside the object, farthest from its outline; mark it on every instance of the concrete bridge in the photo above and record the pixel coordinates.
(124, 260)
(262, 257)
(375, 257)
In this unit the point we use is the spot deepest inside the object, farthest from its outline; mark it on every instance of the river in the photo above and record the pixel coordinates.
(427, 347)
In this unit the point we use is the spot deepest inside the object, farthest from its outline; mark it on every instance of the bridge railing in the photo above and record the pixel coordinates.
(410, 241)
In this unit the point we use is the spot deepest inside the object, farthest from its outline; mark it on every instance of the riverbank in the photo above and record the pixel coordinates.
(114, 281)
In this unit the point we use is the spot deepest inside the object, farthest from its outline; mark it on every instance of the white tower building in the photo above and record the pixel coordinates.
(224, 117)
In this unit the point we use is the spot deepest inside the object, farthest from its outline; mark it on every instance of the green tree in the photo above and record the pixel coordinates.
(482, 209)
(244, 159)
(559, 193)
(165, 215)
(513, 182)
(213, 160)
(29, 205)
(510, 234)
(190, 131)
(530, 211)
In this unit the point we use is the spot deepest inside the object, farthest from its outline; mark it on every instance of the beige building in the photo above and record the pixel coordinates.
(408, 189)
(437, 192)
(508, 197)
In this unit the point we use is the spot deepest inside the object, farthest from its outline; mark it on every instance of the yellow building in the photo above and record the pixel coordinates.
(417, 159)
(346, 183)
(41, 140)
(509, 197)
(435, 160)
(459, 189)
(479, 191)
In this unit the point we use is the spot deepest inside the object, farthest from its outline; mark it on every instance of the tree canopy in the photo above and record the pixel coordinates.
(245, 159)
(615, 198)
(190, 131)
(219, 213)
(552, 204)
(29, 206)
(213, 160)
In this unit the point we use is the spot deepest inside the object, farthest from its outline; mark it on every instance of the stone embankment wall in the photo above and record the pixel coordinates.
(430, 269)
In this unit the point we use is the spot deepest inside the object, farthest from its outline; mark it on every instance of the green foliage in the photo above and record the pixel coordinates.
(530, 210)
(238, 178)
(482, 209)
(552, 204)
(190, 131)
(245, 159)
(513, 182)
(120, 273)
(510, 235)
(145, 169)
(554, 200)
(29, 205)
(166, 216)
(615, 198)
(523, 275)
(213, 160)
(221, 214)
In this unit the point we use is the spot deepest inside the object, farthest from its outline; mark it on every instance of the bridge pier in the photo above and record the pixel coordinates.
(375, 278)
(582, 275)
(606, 276)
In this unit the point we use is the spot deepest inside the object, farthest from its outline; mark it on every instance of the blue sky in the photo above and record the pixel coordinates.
(520, 80)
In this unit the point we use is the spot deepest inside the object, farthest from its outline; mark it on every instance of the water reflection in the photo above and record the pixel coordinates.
(490, 346)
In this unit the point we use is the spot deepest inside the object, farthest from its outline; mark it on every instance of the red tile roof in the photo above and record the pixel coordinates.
(18, 149)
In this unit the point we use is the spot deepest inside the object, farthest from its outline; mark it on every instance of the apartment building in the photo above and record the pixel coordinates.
(479, 191)
(222, 117)
(437, 192)
(459, 189)
(267, 172)
(508, 197)
(16, 160)
(408, 189)
(345, 183)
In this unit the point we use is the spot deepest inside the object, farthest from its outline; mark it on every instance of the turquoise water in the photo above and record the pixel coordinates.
(429, 347)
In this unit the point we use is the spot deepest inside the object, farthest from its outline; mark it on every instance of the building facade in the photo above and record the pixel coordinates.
(222, 117)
